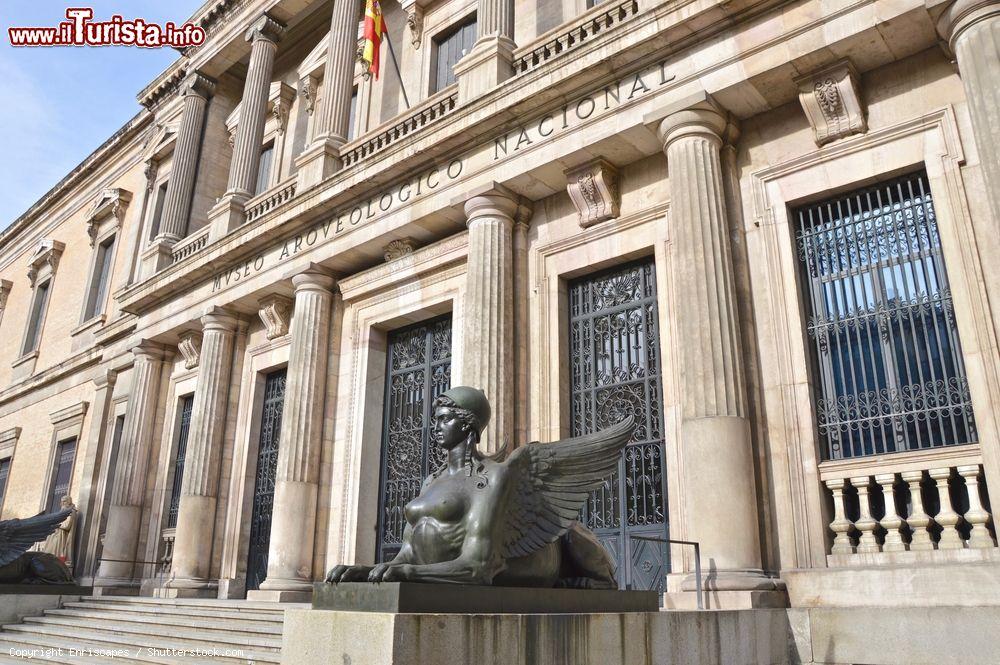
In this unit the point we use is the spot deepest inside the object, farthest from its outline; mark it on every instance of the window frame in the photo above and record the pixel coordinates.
(37, 312)
(100, 275)
(443, 33)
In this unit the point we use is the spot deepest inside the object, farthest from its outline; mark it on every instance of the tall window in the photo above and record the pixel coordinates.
(161, 196)
(891, 376)
(264, 167)
(352, 122)
(62, 474)
(4, 475)
(101, 276)
(38, 307)
(449, 48)
(183, 427)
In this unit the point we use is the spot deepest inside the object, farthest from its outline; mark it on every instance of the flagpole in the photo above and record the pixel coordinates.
(392, 54)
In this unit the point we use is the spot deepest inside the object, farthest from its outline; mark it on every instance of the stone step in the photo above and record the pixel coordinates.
(236, 604)
(204, 635)
(152, 610)
(49, 647)
(64, 636)
(240, 625)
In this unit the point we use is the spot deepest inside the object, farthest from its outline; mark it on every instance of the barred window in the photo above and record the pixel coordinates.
(882, 324)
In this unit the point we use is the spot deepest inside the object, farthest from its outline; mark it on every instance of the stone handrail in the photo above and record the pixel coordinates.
(902, 507)
(600, 19)
(185, 248)
(425, 113)
(271, 199)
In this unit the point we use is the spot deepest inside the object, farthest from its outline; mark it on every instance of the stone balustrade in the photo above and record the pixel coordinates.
(267, 201)
(569, 38)
(190, 245)
(924, 507)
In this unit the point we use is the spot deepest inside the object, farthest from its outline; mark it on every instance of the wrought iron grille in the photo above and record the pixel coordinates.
(418, 369)
(267, 466)
(891, 376)
(183, 428)
(615, 372)
(63, 473)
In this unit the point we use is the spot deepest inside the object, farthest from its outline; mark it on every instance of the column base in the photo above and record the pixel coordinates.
(187, 588)
(726, 600)
(317, 163)
(114, 587)
(280, 596)
(726, 589)
(228, 214)
(490, 63)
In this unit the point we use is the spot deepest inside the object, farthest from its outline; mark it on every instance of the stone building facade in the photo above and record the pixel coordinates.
(767, 228)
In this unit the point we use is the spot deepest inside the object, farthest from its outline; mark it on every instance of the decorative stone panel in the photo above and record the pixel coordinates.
(45, 259)
(398, 248)
(831, 99)
(190, 347)
(594, 189)
(275, 311)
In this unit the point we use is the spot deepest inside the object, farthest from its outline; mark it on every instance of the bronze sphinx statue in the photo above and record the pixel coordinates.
(17, 564)
(511, 522)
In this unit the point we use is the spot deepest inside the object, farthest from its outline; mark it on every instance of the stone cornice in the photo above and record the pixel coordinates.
(69, 366)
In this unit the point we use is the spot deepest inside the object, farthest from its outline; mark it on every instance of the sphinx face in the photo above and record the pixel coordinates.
(447, 428)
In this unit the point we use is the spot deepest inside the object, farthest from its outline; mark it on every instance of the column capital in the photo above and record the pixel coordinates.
(495, 200)
(963, 14)
(219, 319)
(149, 350)
(698, 115)
(265, 28)
(314, 278)
(198, 85)
(106, 379)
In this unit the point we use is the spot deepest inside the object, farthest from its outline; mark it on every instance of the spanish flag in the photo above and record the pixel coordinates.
(374, 29)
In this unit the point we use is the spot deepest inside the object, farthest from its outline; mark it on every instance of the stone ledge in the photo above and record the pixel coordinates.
(411, 597)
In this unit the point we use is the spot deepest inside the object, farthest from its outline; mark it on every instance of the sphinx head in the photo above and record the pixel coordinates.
(460, 414)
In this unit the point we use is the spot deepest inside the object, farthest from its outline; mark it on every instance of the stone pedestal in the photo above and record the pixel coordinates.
(488, 64)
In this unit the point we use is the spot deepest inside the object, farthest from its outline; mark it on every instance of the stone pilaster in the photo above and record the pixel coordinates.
(229, 213)
(491, 60)
(972, 29)
(129, 486)
(293, 518)
(720, 509)
(488, 310)
(196, 91)
(333, 117)
(192, 554)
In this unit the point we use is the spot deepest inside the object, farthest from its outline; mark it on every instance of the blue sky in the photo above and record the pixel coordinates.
(60, 103)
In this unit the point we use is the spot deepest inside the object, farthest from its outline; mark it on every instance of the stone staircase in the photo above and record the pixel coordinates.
(149, 630)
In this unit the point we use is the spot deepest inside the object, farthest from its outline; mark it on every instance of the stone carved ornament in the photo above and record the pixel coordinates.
(46, 254)
(505, 520)
(17, 564)
(832, 102)
(112, 201)
(190, 347)
(399, 248)
(593, 188)
(275, 312)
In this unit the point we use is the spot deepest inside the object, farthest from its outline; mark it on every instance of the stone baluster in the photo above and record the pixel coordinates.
(891, 521)
(129, 484)
(946, 518)
(196, 90)
(229, 213)
(192, 555)
(293, 521)
(865, 523)
(488, 313)
(976, 516)
(841, 526)
(720, 508)
(972, 30)
(333, 116)
(917, 520)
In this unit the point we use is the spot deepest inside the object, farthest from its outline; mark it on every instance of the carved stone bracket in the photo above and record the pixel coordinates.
(5, 286)
(831, 99)
(399, 248)
(190, 347)
(112, 202)
(360, 53)
(414, 20)
(275, 312)
(308, 87)
(279, 102)
(45, 257)
(594, 189)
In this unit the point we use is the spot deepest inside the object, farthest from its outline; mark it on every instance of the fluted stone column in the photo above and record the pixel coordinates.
(972, 29)
(192, 555)
(129, 485)
(229, 213)
(293, 517)
(333, 118)
(720, 508)
(491, 60)
(196, 90)
(488, 309)
(96, 481)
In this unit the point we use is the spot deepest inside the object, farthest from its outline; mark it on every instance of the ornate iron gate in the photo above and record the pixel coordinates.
(615, 371)
(418, 369)
(267, 464)
(187, 407)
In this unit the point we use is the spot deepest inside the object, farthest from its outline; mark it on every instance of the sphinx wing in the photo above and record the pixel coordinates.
(551, 483)
(16, 536)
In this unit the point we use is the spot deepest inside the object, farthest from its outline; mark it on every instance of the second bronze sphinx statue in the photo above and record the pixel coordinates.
(511, 522)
